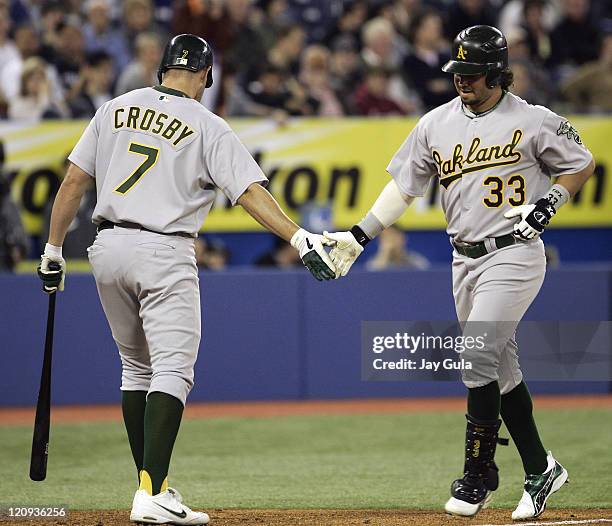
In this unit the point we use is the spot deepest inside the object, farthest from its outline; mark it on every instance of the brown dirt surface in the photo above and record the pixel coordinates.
(112, 413)
(233, 517)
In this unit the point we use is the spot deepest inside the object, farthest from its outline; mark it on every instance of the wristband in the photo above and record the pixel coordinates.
(557, 196)
(370, 225)
(360, 235)
(53, 251)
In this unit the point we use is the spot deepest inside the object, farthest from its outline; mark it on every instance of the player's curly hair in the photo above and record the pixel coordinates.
(506, 78)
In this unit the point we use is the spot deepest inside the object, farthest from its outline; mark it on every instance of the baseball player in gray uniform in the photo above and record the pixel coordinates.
(157, 157)
(493, 156)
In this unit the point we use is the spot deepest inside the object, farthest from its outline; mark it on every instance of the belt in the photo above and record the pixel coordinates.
(109, 224)
(476, 250)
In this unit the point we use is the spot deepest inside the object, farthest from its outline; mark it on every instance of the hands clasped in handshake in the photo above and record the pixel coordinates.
(323, 266)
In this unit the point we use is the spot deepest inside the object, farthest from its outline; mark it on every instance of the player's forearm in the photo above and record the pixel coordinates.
(573, 183)
(386, 210)
(565, 188)
(66, 204)
(260, 205)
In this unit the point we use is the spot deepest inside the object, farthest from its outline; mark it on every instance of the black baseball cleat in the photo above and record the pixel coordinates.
(473, 491)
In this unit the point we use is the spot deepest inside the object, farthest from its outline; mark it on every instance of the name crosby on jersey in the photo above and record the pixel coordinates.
(481, 158)
(148, 120)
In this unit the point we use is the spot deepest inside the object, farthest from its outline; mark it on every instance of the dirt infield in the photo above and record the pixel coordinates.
(342, 518)
(112, 413)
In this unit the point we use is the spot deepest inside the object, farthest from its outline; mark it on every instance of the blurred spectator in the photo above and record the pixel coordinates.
(465, 13)
(273, 90)
(531, 81)
(536, 34)
(286, 51)
(372, 96)
(590, 87)
(522, 85)
(576, 39)
(100, 35)
(236, 102)
(349, 23)
(247, 46)
(68, 52)
(28, 45)
(34, 100)
(52, 14)
(141, 72)
(402, 14)
(422, 66)
(206, 18)
(315, 76)
(512, 15)
(551, 253)
(275, 16)
(211, 255)
(393, 253)
(316, 16)
(93, 87)
(8, 50)
(282, 256)
(138, 19)
(13, 238)
(379, 44)
(382, 50)
(345, 70)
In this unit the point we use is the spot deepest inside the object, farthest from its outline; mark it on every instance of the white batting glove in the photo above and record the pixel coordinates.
(52, 269)
(313, 255)
(346, 250)
(534, 218)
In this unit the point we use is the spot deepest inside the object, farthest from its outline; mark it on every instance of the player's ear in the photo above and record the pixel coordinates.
(205, 74)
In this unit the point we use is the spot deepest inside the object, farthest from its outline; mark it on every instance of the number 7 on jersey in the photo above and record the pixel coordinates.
(151, 154)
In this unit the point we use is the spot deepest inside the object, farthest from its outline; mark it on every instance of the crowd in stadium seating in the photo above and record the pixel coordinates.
(280, 58)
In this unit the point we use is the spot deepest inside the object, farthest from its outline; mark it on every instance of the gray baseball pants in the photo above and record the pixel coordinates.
(496, 288)
(149, 289)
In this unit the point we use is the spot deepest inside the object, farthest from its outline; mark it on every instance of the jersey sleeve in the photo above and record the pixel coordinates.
(231, 166)
(412, 166)
(84, 153)
(559, 146)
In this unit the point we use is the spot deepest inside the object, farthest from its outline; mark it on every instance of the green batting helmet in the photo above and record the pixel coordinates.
(477, 50)
(188, 52)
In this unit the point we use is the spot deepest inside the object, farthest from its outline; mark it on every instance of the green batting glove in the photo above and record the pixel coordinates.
(313, 255)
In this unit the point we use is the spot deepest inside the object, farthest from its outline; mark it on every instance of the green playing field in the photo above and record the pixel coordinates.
(359, 461)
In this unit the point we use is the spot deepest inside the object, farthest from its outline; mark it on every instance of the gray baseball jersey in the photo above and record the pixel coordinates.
(487, 163)
(157, 157)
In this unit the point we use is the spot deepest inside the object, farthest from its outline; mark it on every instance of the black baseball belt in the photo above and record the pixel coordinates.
(109, 224)
(476, 250)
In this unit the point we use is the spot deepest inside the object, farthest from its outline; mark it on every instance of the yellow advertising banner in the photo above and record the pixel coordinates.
(339, 162)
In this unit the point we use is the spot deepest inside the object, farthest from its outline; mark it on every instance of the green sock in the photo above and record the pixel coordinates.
(483, 402)
(133, 406)
(161, 424)
(517, 413)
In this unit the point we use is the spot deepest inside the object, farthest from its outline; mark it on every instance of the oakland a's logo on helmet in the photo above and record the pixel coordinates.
(461, 53)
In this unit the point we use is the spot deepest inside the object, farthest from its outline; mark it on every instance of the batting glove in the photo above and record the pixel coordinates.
(346, 250)
(313, 255)
(534, 218)
(52, 269)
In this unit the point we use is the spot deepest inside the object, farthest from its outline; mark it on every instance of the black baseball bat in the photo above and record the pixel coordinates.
(42, 422)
